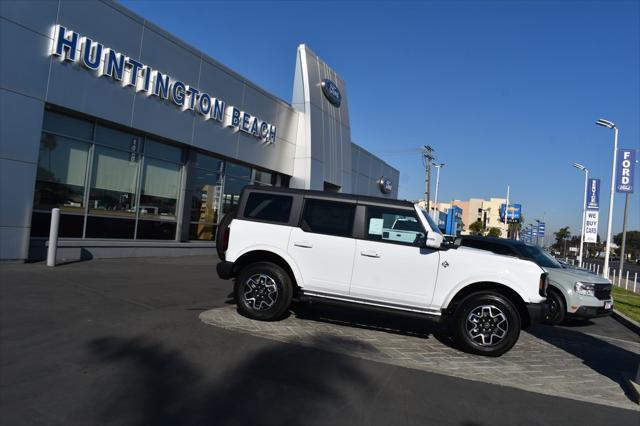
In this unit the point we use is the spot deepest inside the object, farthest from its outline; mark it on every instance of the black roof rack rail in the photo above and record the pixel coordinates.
(331, 195)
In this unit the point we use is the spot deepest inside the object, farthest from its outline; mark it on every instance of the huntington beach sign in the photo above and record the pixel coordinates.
(71, 46)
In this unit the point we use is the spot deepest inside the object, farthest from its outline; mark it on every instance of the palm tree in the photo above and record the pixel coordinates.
(561, 236)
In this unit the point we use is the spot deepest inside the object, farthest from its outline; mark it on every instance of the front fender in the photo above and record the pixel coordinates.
(469, 266)
(484, 278)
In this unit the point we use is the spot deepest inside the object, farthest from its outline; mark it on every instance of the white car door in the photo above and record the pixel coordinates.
(389, 267)
(323, 247)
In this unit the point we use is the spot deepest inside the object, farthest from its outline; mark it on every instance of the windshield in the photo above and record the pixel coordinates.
(541, 257)
(432, 224)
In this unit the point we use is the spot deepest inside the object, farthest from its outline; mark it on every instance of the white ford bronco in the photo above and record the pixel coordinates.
(285, 244)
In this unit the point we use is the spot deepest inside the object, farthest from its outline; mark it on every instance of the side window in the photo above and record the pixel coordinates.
(269, 207)
(393, 226)
(328, 217)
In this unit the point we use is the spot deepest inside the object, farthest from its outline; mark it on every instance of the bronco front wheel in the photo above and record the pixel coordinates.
(486, 323)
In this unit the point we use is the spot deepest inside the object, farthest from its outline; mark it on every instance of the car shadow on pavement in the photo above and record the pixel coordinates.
(373, 320)
(272, 386)
(601, 356)
(577, 323)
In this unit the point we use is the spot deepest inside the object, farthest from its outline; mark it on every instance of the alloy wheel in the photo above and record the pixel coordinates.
(260, 292)
(487, 325)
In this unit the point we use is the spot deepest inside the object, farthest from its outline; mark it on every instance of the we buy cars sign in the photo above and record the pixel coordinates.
(591, 226)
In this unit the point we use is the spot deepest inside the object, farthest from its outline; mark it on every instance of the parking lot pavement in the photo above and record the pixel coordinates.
(585, 365)
(120, 342)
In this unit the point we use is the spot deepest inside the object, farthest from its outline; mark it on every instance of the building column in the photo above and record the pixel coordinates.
(184, 209)
(21, 118)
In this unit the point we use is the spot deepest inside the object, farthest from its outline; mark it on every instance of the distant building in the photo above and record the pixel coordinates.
(449, 217)
(452, 221)
(487, 211)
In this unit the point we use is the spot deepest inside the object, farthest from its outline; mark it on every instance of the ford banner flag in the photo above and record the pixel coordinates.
(593, 194)
(624, 170)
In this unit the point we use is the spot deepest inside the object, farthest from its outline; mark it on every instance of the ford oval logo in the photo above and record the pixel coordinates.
(331, 92)
(385, 185)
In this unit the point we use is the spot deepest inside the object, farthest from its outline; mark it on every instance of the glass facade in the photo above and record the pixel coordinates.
(110, 183)
(215, 189)
(206, 193)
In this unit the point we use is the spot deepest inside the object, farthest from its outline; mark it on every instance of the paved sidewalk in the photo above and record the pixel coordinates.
(552, 361)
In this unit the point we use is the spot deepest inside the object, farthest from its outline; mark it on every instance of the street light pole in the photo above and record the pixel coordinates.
(435, 200)
(584, 207)
(610, 125)
(506, 213)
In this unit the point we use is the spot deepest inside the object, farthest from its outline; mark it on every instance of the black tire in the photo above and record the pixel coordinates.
(263, 291)
(555, 308)
(222, 226)
(486, 323)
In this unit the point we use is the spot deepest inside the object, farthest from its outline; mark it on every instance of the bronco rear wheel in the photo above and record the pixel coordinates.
(263, 291)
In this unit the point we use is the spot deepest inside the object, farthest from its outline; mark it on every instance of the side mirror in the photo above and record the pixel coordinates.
(433, 240)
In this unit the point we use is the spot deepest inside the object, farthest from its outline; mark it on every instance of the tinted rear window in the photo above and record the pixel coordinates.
(328, 217)
(268, 207)
(489, 246)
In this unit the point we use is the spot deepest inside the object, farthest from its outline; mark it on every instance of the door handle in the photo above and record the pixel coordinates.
(369, 253)
(304, 244)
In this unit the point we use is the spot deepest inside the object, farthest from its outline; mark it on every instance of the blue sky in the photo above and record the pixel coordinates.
(506, 92)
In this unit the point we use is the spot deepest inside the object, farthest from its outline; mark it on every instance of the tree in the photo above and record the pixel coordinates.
(561, 236)
(632, 246)
(514, 229)
(477, 228)
(494, 232)
(594, 249)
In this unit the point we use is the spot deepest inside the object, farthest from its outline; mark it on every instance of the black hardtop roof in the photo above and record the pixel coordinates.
(332, 195)
(503, 241)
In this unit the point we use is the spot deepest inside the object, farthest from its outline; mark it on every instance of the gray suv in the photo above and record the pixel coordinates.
(572, 293)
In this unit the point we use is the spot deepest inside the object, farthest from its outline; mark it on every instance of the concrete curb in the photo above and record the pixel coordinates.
(626, 321)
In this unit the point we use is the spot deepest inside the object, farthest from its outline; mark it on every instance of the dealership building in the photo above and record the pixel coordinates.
(144, 142)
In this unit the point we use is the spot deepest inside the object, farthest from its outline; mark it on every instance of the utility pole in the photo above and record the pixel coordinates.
(427, 153)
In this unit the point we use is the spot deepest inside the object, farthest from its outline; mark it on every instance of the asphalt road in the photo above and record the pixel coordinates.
(120, 342)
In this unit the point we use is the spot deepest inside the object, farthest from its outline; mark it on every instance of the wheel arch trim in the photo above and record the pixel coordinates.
(265, 254)
(509, 292)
